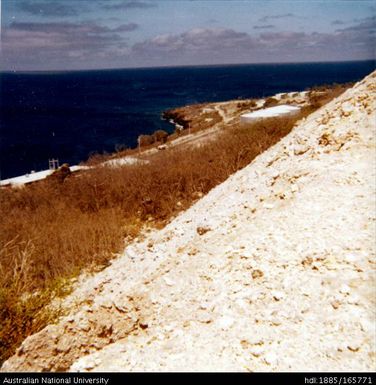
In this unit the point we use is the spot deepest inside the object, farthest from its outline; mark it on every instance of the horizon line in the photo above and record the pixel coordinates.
(183, 66)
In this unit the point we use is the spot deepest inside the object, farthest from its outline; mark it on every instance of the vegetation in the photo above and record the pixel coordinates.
(160, 136)
(320, 95)
(247, 104)
(271, 102)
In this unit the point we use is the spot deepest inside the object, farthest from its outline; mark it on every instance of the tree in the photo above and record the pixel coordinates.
(145, 140)
(160, 136)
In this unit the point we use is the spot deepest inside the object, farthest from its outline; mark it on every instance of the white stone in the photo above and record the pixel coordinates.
(225, 322)
(257, 350)
(169, 281)
(271, 358)
(344, 289)
(351, 258)
(278, 295)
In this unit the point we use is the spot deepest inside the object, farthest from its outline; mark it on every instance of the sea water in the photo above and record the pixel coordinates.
(70, 115)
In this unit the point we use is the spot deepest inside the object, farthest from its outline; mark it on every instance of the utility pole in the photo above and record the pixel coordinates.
(53, 164)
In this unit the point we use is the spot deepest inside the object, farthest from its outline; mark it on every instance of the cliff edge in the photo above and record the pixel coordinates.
(273, 270)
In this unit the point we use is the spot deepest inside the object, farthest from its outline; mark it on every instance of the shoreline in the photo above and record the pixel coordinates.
(175, 119)
(192, 123)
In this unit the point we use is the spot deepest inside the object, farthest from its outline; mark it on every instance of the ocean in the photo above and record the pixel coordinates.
(71, 115)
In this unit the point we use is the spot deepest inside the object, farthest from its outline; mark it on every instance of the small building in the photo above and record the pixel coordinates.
(271, 112)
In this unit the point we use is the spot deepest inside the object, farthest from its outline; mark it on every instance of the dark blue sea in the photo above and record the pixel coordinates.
(70, 115)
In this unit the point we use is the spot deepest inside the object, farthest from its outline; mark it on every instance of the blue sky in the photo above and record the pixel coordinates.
(89, 34)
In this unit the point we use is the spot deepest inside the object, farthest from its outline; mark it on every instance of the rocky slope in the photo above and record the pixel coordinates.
(274, 270)
(206, 115)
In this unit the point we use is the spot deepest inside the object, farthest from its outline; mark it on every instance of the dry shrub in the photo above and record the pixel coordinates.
(320, 95)
(197, 117)
(246, 104)
(22, 317)
(51, 230)
(271, 102)
(160, 136)
(145, 140)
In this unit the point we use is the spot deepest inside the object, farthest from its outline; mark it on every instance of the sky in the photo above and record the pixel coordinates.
(47, 35)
